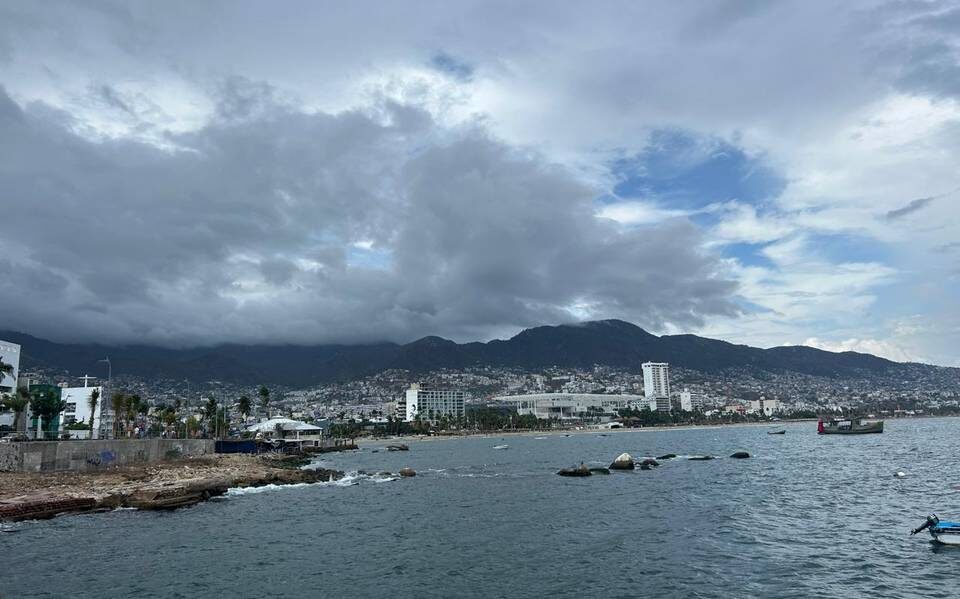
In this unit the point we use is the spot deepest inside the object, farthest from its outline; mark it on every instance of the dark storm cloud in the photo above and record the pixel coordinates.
(273, 224)
(913, 206)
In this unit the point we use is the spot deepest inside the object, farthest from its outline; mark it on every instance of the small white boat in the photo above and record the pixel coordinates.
(501, 447)
(943, 532)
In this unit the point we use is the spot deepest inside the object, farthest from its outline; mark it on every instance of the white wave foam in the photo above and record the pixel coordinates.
(238, 491)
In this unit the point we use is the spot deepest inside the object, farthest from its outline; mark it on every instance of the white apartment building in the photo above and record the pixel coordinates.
(571, 406)
(690, 401)
(765, 407)
(438, 402)
(9, 354)
(78, 406)
(656, 385)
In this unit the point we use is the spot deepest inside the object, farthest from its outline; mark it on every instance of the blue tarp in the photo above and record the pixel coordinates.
(236, 446)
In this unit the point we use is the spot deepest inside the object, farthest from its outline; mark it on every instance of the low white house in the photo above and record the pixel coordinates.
(287, 430)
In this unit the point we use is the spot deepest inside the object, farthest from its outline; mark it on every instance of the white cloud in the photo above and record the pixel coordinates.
(637, 212)
(882, 348)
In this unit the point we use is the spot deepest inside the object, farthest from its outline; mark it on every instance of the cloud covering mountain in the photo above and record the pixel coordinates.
(186, 173)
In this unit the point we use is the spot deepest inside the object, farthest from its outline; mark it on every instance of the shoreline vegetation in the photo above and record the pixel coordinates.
(160, 486)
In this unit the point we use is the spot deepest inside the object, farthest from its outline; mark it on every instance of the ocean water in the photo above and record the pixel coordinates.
(806, 516)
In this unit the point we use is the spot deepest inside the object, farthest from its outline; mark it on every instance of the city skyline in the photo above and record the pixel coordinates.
(230, 174)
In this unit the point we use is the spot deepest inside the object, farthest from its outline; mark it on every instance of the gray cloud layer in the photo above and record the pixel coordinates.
(913, 206)
(275, 224)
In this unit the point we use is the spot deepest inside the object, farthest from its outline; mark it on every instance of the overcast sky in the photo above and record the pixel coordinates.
(769, 173)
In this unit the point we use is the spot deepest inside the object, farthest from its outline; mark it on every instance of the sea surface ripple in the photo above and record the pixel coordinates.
(806, 516)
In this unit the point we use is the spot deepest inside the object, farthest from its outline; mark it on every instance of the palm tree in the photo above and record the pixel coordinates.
(17, 403)
(264, 394)
(133, 407)
(46, 405)
(244, 406)
(210, 412)
(92, 401)
(117, 402)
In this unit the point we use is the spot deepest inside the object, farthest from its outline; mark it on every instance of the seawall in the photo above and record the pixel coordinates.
(88, 456)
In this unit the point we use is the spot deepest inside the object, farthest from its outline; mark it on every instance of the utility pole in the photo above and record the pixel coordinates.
(104, 399)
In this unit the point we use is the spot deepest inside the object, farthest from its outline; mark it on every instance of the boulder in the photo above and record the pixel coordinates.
(740, 455)
(623, 462)
(599, 470)
(580, 470)
(645, 467)
(649, 462)
(667, 456)
(385, 473)
(407, 472)
(701, 458)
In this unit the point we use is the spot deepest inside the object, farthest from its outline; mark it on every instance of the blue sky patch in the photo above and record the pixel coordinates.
(683, 171)
(456, 68)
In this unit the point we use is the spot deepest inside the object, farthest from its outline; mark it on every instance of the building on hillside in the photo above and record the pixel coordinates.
(571, 406)
(432, 404)
(765, 407)
(690, 402)
(9, 354)
(656, 385)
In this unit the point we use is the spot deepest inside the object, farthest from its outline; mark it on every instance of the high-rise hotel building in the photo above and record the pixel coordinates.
(656, 385)
(429, 403)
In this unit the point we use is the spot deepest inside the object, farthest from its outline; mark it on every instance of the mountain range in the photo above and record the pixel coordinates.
(605, 342)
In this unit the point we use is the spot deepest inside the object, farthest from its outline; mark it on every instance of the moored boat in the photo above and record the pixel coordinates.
(943, 532)
(848, 426)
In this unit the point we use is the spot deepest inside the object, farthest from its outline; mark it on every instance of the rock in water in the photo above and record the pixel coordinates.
(649, 462)
(900, 474)
(667, 456)
(740, 455)
(701, 458)
(407, 472)
(580, 470)
(398, 447)
(623, 462)
(645, 467)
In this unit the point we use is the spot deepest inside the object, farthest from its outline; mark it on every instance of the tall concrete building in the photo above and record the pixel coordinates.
(438, 402)
(690, 402)
(656, 385)
(9, 354)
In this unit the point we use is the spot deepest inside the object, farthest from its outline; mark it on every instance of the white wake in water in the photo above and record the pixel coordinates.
(350, 479)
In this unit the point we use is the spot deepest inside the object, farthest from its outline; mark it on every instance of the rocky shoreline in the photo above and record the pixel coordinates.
(162, 486)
